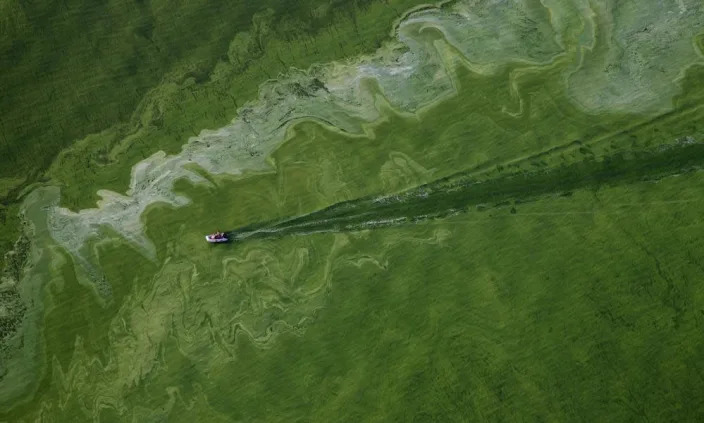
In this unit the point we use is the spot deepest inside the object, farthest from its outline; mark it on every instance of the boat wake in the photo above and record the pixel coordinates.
(468, 190)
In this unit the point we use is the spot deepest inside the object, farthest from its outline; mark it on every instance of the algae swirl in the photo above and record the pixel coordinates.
(492, 215)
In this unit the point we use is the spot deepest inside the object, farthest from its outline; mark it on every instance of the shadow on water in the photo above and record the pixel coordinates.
(461, 191)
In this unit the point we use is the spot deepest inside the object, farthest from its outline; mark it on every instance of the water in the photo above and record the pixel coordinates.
(468, 222)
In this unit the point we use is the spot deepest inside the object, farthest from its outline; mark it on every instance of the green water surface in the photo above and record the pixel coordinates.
(547, 266)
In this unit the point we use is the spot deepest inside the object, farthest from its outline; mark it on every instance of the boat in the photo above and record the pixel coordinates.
(217, 237)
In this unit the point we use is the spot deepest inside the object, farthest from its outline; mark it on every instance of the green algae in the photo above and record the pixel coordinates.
(584, 306)
(183, 104)
(409, 74)
(489, 314)
(164, 97)
(95, 63)
(117, 96)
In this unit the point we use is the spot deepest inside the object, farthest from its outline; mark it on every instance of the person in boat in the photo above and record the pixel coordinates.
(219, 235)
